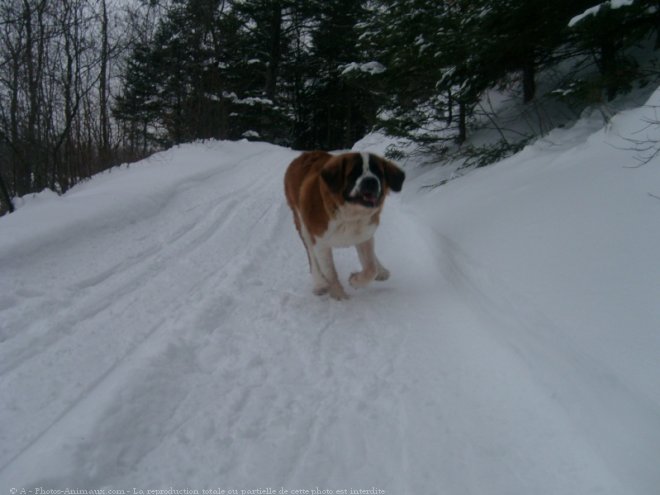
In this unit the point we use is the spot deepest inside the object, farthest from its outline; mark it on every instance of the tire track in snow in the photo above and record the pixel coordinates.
(142, 272)
(262, 366)
(115, 287)
(131, 273)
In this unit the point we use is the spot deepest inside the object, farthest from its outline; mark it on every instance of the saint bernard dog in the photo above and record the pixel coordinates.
(336, 202)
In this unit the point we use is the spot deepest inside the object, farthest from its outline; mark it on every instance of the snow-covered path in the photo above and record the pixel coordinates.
(158, 330)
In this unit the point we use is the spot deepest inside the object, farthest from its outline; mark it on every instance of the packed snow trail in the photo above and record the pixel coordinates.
(159, 330)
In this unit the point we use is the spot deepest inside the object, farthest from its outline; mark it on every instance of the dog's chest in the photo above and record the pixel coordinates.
(348, 230)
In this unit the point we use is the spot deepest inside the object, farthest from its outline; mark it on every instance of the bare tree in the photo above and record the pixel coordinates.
(56, 59)
(104, 123)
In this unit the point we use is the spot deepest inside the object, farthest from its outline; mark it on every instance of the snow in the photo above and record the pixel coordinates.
(250, 100)
(251, 134)
(370, 68)
(591, 11)
(158, 329)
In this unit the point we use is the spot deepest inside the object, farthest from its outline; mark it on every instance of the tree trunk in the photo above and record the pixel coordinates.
(450, 107)
(4, 196)
(275, 50)
(64, 173)
(608, 67)
(529, 83)
(23, 182)
(462, 123)
(104, 145)
(17, 160)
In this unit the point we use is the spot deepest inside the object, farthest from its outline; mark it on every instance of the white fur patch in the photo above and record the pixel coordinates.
(351, 225)
(366, 172)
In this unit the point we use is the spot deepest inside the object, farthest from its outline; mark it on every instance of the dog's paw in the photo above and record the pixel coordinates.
(362, 279)
(357, 280)
(320, 290)
(383, 274)
(337, 292)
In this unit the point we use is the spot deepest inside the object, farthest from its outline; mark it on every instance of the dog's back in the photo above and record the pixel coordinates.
(307, 165)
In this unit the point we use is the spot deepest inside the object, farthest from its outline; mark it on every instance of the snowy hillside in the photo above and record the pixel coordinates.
(158, 330)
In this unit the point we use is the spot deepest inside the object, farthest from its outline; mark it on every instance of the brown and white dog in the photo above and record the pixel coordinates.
(336, 202)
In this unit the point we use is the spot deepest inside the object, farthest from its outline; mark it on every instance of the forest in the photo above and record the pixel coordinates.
(86, 85)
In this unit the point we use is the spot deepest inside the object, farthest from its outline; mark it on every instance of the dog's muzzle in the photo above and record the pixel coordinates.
(368, 191)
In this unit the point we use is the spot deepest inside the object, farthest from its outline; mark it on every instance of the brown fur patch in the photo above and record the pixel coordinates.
(304, 187)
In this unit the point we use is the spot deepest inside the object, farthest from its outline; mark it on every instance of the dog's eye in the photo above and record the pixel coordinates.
(375, 167)
(353, 175)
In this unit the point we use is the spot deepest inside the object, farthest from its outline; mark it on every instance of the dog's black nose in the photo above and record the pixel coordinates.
(370, 185)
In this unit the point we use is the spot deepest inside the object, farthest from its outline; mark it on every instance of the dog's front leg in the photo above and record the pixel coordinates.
(383, 273)
(321, 285)
(326, 265)
(371, 267)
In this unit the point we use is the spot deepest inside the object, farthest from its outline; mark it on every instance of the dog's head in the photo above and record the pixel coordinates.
(362, 178)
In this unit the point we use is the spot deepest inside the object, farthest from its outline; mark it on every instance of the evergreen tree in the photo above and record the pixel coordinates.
(317, 74)
(268, 38)
(606, 33)
(188, 56)
(176, 79)
(436, 65)
(216, 67)
(336, 112)
(135, 108)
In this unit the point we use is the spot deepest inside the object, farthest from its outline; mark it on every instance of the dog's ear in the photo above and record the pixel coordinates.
(393, 175)
(333, 174)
